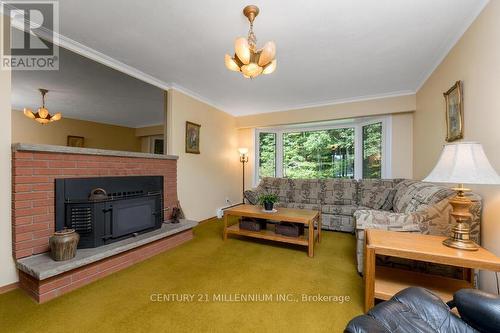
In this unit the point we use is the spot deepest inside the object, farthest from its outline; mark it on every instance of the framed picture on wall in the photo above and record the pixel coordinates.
(76, 141)
(454, 112)
(192, 138)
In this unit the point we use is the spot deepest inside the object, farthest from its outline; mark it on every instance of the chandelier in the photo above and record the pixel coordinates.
(249, 60)
(42, 116)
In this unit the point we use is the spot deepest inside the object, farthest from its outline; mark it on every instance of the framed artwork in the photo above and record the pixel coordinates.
(192, 138)
(76, 141)
(454, 112)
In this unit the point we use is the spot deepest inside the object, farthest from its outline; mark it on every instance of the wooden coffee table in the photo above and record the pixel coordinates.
(292, 215)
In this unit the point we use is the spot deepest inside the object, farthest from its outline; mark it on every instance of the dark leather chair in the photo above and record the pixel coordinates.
(419, 310)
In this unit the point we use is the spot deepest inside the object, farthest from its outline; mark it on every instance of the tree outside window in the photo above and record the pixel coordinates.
(372, 151)
(319, 154)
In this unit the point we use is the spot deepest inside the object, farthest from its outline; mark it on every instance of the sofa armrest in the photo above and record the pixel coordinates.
(379, 219)
(478, 309)
(253, 194)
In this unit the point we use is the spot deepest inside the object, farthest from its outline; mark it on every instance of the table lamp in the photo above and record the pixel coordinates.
(462, 163)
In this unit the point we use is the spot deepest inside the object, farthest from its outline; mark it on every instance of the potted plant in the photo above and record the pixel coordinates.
(268, 201)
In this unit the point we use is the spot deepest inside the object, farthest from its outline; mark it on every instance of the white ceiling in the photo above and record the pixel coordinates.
(87, 90)
(327, 51)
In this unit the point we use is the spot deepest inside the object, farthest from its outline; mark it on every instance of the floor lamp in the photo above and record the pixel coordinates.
(243, 159)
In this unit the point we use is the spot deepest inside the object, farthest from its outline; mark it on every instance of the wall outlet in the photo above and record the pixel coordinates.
(219, 213)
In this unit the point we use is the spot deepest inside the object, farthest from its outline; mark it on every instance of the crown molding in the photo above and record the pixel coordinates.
(447, 47)
(198, 97)
(338, 101)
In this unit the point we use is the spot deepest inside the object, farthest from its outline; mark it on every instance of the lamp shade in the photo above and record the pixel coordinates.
(231, 64)
(242, 50)
(243, 151)
(463, 163)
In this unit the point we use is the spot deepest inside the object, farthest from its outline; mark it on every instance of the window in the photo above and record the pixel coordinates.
(267, 154)
(372, 151)
(319, 154)
(156, 144)
(347, 149)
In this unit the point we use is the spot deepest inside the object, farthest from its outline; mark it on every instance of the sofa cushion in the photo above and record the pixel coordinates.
(299, 205)
(347, 210)
(376, 193)
(306, 191)
(278, 186)
(339, 191)
(337, 222)
(412, 194)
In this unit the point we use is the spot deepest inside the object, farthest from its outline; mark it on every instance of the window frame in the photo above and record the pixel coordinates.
(356, 123)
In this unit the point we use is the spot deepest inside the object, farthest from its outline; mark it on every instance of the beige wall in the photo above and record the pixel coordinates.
(204, 180)
(149, 130)
(475, 60)
(7, 269)
(97, 135)
(337, 111)
(402, 145)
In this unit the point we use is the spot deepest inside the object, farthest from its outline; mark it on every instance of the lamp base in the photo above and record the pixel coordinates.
(461, 244)
(460, 233)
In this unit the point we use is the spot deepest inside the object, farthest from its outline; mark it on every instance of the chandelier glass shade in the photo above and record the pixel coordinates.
(42, 116)
(247, 59)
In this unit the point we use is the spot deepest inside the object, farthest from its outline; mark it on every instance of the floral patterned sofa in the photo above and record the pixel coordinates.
(356, 205)
(337, 199)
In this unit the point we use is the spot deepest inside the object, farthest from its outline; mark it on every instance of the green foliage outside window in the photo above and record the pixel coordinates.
(267, 154)
(319, 154)
(372, 151)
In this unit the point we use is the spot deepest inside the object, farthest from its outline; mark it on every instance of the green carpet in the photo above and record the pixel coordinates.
(220, 270)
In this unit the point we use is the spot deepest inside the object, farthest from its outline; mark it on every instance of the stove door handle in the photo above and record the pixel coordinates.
(110, 211)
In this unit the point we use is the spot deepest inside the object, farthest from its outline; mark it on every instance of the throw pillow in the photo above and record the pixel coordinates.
(389, 200)
(252, 197)
(376, 199)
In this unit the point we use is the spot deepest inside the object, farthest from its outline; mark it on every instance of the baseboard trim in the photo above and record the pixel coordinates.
(208, 220)
(9, 287)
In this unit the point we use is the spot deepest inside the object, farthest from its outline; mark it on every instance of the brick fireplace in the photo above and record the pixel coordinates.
(34, 170)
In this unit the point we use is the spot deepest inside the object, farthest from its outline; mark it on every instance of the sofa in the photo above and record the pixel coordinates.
(350, 205)
(419, 310)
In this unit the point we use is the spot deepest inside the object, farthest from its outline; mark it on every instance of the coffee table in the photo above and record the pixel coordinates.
(292, 215)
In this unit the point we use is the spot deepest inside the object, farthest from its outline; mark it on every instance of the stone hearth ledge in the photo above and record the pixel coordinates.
(86, 151)
(41, 266)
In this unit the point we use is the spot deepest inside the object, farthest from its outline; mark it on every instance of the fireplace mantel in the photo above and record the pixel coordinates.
(86, 151)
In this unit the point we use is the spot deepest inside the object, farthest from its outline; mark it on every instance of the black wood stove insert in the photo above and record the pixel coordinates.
(104, 210)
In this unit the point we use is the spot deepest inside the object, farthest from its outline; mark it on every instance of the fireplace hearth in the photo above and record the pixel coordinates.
(104, 210)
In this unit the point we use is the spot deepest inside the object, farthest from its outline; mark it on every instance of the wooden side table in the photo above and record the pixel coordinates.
(384, 282)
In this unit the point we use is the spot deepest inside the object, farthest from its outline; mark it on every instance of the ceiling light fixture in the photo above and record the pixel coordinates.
(249, 60)
(42, 116)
